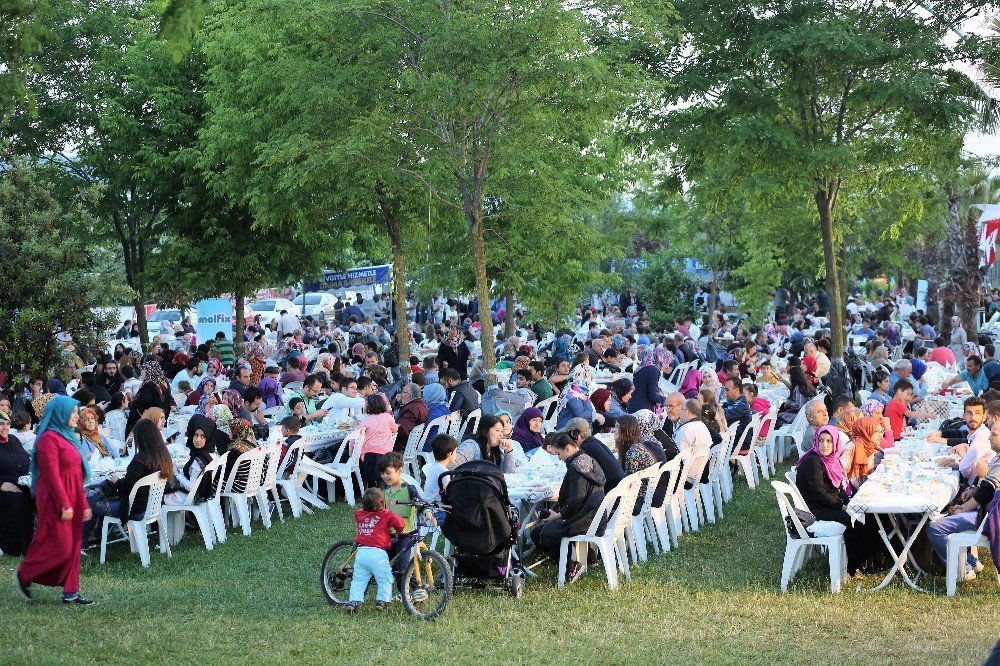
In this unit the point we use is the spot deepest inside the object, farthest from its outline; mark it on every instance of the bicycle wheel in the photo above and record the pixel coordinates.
(427, 584)
(337, 572)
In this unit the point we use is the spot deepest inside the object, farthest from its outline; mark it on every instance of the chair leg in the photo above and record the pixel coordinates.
(951, 568)
(609, 559)
(836, 570)
(561, 571)
(164, 536)
(788, 564)
(276, 495)
(104, 539)
(215, 511)
(201, 514)
(243, 511)
(140, 541)
(708, 501)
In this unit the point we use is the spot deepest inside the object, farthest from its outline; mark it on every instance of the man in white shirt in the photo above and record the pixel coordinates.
(344, 399)
(693, 435)
(287, 323)
(190, 373)
(977, 453)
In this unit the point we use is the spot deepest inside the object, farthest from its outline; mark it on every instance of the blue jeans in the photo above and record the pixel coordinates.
(100, 506)
(938, 531)
(371, 563)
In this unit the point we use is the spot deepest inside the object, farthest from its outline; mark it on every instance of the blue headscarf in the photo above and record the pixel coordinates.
(55, 385)
(55, 417)
(434, 394)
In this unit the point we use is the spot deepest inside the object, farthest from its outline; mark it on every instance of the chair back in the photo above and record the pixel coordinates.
(470, 425)
(293, 457)
(156, 485)
(630, 487)
(293, 386)
(272, 462)
(548, 408)
(786, 498)
(768, 420)
(244, 478)
(670, 473)
(355, 440)
(414, 440)
(651, 477)
(454, 425)
(792, 476)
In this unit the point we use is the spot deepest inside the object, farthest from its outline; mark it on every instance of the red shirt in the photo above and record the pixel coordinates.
(373, 527)
(896, 411)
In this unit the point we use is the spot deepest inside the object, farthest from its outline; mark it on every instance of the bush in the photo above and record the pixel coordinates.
(666, 289)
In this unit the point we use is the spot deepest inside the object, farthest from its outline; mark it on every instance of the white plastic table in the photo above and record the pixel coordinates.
(907, 482)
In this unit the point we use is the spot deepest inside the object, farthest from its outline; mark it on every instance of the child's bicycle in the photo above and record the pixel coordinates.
(426, 583)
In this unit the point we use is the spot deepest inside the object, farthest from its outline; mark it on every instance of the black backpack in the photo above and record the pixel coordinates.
(390, 358)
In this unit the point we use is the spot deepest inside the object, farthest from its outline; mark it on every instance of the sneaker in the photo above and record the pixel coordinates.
(78, 600)
(979, 567)
(418, 595)
(970, 574)
(22, 589)
(381, 605)
(573, 572)
(352, 606)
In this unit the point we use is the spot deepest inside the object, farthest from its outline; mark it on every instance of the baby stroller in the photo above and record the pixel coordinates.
(482, 526)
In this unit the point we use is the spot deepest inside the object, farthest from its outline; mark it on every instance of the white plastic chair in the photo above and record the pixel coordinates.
(766, 450)
(471, 423)
(550, 413)
(173, 514)
(454, 425)
(711, 492)
(797, 547)
(799, 501)
(616, 510)
(636, 533)
(289, 481)
(864, 395)
(415, 443)
(348, 472)
(660, 516)
(958, 544)
(748, 462)
(268, 490)
(242, 484)
(135, 530)
(677, 521)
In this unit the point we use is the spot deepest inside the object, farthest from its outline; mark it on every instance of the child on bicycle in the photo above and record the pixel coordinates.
(374, 521)
(397, 491)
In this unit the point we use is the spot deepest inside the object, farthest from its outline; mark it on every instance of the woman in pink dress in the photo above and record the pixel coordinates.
(58, 472)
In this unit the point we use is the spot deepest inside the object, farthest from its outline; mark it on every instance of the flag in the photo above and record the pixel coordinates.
(988, 242)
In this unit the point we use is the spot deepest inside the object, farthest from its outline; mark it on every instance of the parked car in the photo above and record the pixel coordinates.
(317, 304)
(154, 322)
(270, 309)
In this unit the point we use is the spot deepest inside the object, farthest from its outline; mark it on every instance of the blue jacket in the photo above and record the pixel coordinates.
(738, 411)
(575, 407)
(646, 394)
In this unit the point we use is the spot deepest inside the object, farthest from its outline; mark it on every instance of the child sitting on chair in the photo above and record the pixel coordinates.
(297, 408)
(372, 560)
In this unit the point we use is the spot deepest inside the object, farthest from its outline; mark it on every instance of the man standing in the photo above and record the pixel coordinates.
(287, 323)
(225, 349)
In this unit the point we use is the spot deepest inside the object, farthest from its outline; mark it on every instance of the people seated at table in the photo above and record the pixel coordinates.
(111, 498)
(580, 431)
(580, 496)
(975, 455)
(880, 390)
(621, 393)
(601, 399)
(866, 434)
(966, 512)
(488, 443)
(973, 375)
(17, 506)
(898, 410)
(694, 436)
(823, 484)
(91, 438)
(649, 426)
(200, 434)
(540, 386)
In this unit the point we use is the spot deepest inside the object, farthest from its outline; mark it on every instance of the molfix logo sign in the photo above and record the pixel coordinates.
(214, 315)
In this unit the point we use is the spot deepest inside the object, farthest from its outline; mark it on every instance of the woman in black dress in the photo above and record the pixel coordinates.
(17, 508)
(154, 392)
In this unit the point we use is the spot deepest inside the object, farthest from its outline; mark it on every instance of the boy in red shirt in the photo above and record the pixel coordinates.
(898, 409)
(372, 559)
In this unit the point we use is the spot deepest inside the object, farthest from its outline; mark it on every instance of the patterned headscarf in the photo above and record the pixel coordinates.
(38, 404)
(578, 386)
(871, 406)
(647, 424)
(866, 440)
(153, 374)
(243, 438)
(658, 357)
(223, 417)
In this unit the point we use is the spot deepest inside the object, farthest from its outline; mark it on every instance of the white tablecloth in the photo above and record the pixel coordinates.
(908, 480)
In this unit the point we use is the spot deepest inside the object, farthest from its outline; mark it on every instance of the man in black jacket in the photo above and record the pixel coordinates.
(461, 396)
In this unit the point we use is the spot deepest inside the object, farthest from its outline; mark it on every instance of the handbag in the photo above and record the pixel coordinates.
(805, 517)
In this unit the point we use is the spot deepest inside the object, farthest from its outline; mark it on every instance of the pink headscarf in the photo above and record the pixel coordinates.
(834, 468)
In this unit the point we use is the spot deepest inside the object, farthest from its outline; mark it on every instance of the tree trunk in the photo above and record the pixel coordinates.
(239, 325)
(508, 319)
(140, 318)
(486, 335)
(390, 215)
(833, 282)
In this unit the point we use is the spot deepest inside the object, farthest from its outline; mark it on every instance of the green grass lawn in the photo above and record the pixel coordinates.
(714, 600)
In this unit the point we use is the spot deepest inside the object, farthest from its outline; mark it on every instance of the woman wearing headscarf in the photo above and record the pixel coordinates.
(637, 449)
(691, 384)
(437, 406)
(528, 429)
(271, 390)
(958, 336)
(254, 353)
(866, 433)
(823, 484)
(17, 510)
(876, 409)
(91, 437)
(242, 441)
(602, 401)
(206, 387)
(574, 401)
(224, 421)
(154, 392)
(710, 382)
(647, 394)
(651, 431)
(454, 353)
(200, 436)
(58, 471)
(880, 358)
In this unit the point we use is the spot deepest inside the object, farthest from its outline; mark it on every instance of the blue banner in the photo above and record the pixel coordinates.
(355, 277)
(214, 315)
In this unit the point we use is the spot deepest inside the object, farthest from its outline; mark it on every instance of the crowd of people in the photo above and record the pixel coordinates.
(324, 372)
